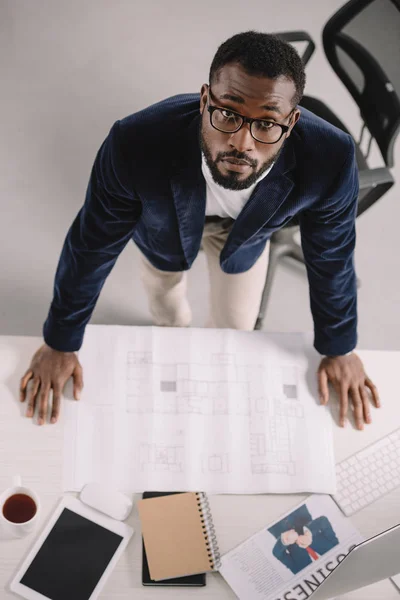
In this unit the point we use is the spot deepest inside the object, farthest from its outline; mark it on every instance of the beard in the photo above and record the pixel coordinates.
(233, 181)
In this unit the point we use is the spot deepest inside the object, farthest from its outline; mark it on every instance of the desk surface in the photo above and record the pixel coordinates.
(36, 454)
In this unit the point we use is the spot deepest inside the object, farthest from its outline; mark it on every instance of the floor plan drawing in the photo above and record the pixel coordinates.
(184, 389)
(221, 411)
(187, 388)
(161, 458)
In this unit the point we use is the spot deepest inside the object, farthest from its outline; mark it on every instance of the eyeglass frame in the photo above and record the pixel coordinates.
(211, 109)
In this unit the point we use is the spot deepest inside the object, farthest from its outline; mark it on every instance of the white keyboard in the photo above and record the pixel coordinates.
(369, 474)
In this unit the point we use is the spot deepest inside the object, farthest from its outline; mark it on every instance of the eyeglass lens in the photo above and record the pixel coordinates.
(264, 131)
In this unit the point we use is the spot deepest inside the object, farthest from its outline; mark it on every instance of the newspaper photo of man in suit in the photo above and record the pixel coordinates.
(301, 540)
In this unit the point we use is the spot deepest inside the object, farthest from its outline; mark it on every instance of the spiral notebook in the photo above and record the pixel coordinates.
(179, 535)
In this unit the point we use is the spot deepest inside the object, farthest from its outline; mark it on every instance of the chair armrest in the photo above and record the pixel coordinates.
(375, 183)
(372, 177)
(299, 36)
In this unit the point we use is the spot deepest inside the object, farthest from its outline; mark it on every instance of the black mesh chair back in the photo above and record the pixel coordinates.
(362, 44)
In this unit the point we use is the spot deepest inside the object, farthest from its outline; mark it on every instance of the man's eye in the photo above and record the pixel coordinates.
(265, 124)
(227, 114)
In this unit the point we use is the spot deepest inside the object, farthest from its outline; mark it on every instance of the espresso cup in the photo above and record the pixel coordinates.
(19, 509)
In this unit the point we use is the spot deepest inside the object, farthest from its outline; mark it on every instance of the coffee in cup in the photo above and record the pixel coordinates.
(19, 507)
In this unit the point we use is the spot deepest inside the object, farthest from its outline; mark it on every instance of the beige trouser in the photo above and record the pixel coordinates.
(234, 299)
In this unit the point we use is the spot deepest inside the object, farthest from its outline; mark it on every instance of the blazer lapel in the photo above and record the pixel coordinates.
(189, 192)
(264, 202)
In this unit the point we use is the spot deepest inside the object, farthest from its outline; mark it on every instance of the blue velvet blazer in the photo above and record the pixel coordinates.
(146, 185)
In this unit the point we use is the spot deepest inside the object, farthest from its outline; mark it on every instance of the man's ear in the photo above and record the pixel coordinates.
(203, 97)
(293, 120)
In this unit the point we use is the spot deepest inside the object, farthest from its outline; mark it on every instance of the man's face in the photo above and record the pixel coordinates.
(237, 160)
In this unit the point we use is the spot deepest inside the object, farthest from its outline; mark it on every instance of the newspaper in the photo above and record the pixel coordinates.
(188, 409)
(290, 558)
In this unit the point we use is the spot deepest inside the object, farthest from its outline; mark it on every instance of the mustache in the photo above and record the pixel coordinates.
(238, 156)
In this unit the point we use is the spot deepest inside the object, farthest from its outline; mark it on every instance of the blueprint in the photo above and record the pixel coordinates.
(220, 411)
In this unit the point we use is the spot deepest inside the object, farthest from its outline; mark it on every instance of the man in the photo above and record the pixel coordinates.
(298, 550)
(223, 171)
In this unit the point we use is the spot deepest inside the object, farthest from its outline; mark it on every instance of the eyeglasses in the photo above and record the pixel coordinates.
(229, 121)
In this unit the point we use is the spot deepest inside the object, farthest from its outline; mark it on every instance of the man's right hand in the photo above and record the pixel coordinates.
(49, 370)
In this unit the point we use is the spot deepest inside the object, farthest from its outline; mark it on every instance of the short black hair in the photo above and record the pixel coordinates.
(261, 55)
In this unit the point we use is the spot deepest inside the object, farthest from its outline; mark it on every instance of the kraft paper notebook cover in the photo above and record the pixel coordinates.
(179, 535)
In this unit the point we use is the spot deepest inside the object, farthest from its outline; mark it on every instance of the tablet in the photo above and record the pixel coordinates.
(73, 556)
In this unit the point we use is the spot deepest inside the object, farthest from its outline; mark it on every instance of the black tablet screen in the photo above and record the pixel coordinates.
(72, 558)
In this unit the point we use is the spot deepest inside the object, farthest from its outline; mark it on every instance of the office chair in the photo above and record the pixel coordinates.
(362, 43)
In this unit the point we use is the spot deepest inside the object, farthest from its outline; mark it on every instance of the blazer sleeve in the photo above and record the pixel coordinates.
(328, 240)
(97, 236)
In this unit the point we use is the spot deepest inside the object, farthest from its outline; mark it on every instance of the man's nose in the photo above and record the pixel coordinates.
(242, 140)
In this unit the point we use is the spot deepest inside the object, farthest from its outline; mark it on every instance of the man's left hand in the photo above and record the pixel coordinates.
(347, 375)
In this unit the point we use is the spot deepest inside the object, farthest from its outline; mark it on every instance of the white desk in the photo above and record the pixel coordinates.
(36, 453)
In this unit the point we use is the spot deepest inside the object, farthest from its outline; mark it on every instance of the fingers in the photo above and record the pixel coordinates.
(55, 410)
(43, 403)
(32, 393)
(323, 386)
(343, 402)
(357, 408)
(365, 404)
(374, 392)
(24, 382)
(77, 376)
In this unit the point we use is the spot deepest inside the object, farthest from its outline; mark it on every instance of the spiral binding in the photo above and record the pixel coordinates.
(214, 555)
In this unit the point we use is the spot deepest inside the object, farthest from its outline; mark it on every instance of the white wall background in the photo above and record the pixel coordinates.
(68, 70)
